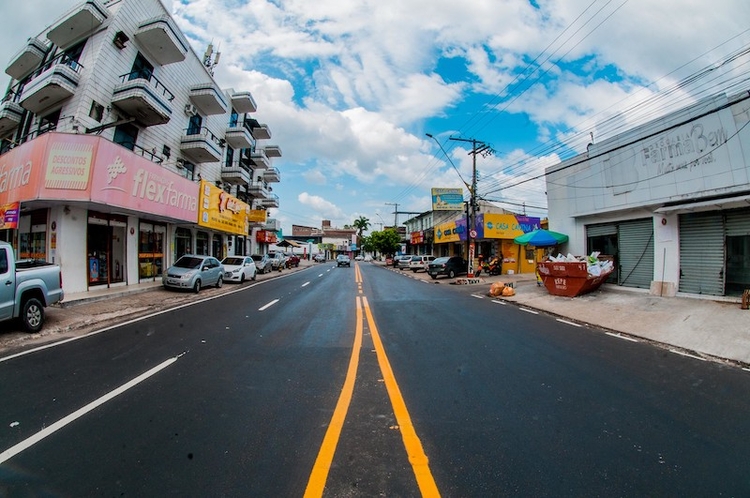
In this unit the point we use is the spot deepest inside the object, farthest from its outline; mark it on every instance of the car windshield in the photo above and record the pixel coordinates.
(188, 262)
(232, 261)
(257, 257)
(416, 258)
(440, 260)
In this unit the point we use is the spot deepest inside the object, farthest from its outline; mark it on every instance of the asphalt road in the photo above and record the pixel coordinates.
(360, 382)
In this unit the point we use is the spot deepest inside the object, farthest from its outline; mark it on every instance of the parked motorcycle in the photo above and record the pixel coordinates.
(493, 266)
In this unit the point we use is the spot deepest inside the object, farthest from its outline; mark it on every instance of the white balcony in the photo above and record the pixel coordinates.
(10, 116)
(261, 132)
(55, 82)
(272, 175)
(27, 60)
(243, 102)
(272, 150)
(142, 96)
(161, 39)
(208, 98)
(272, 201)
(257, 190)
(260, 159)
(201, 146)
(238, 135)
(81, 22)
(235, 174)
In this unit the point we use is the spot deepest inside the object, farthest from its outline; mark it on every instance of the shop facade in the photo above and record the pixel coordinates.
(668, 200)
(108, 216)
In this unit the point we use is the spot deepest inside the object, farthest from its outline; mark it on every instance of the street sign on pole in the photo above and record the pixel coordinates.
(471, 260)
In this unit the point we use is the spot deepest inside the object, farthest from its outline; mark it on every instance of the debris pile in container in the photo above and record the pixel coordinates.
(594, 265)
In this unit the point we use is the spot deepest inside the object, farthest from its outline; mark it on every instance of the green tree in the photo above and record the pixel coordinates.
(386, 242)
(361, 224)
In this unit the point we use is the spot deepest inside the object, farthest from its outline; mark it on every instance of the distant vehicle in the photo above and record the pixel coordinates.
(262, 263)
(343, 260)
(292, 260)
(278, 260)
(239, 268)
(319, 258)
(368, 258)
(417, 263)
(448, 266)
(402, 262)
(359, 258)
(193, 271)
(29, 287)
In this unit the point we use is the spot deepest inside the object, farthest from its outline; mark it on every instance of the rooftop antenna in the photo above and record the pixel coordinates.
(210, 60)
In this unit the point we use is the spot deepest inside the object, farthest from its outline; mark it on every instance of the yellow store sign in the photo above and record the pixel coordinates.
(221, 211)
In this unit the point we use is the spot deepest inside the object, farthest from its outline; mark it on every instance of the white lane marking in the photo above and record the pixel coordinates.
(305, 284)
(686, 354)
(568, 322)
(477, 296)
(29, 442)
(320, 275)
(621, 337)
(527, 310)
(496, 301)
(263, 308)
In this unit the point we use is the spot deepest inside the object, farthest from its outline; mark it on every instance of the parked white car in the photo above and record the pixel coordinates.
(420, 262)
(239, 268)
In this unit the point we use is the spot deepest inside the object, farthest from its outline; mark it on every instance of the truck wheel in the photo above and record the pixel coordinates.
(32, 315)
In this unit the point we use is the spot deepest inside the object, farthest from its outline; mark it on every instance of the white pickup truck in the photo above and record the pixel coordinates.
(26, 288)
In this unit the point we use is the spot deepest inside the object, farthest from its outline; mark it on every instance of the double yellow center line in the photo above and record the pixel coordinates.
(417, 457)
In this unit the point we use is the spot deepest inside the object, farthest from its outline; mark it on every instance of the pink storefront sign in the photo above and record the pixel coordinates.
(126, 180)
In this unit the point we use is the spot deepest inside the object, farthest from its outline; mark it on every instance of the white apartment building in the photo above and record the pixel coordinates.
(119, 151)
(670, 200)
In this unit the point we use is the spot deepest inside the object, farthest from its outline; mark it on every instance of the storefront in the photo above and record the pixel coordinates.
(93, 207)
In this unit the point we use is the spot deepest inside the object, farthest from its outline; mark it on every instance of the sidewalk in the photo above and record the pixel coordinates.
(707, 328)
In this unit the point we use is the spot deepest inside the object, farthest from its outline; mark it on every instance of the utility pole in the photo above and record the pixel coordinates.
(395, 213)
(477, 147)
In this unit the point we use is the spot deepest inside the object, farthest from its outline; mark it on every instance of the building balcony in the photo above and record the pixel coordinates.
(142, 96)
(27, 60)
(161, 39)
(260, 131)
(243, 102)
(10, 116)
(208, 98)
(238, 135)
(201, 146)
(236, 174)
(81, 22)
(272, 175)
(257, 190)
(260, 159)
(272, 150)
(272, 201)
(51, 84)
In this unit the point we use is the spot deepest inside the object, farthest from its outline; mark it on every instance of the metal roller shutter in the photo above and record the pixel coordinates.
(738, 223)
(702, 253)
(599, 230)
(635, 241)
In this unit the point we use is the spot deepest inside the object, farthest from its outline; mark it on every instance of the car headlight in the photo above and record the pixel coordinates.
(189, 275)
(236, 270)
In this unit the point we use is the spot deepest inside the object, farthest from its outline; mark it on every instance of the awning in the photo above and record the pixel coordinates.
(289, 243)
(713, 204)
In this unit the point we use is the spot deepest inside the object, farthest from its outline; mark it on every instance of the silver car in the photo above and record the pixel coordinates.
(194, 272)
(239, 268)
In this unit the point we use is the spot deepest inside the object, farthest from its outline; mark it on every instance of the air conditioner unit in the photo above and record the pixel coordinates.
(191, 110)
(180, 163)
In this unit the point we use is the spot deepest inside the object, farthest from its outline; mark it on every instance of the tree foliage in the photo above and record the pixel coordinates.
(387, 242)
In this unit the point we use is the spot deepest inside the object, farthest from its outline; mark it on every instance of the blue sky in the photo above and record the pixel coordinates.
(349, 88)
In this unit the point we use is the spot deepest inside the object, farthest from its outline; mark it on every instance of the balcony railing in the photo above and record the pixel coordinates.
(157, 85)
(145, 153)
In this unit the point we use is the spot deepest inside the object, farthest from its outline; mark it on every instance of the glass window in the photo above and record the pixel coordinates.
(142, 69)
(194, 125)
(126, 135)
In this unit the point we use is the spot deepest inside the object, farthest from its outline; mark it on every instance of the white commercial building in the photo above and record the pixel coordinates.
(120, 152)
(670, 200)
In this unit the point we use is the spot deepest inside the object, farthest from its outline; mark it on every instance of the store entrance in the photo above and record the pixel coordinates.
(105, 250)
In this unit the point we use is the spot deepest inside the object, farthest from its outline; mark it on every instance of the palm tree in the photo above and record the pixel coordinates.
(361, 224)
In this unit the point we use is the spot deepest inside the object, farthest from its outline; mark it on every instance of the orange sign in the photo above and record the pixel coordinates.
(221, 211)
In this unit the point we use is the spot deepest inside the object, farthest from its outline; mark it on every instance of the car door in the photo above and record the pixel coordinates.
(7, 286)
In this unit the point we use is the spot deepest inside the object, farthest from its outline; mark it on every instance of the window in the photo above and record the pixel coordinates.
(142, 69)
(48, 122)
(233, 118)
(126, 135)
(230, 157)
(97, 111)
(188, 171)
(195, 124)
